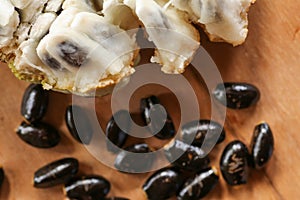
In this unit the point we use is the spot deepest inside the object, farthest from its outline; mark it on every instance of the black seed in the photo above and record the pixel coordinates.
(55, 173)
(199, 185)
(1, 176)
(116, 198)
(186, 156)
(140, 161)
(34, 103)
(262, 146)
(114, 133)
(72, 54)
(52, 62)
(196, 131)
(81, 128)
(39, 134)
(162, 184)
(234, 163)
(92, 187)
(237, 95)
(153, 116)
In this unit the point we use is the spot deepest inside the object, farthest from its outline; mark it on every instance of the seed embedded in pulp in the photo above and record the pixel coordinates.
(262, 145)
(236, 95)
(78, 124)
(34, 103)
(234, 163)
(55, 173)
(87, 187)
(39, 134)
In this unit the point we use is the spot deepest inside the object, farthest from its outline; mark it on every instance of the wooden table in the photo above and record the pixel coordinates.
(269, 59)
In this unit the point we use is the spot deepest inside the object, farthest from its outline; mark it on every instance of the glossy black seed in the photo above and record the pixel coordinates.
(237, 95)
(135, 159)
(262, 145)
(116, 198)
(55, 173)
(115, 135)
(1, 176)
(39, 134)
(78, 124)
(34, 103)
(196, 131)
(72, 54)
(154, 117)
(92, 187)
(185, 156)
(199, 185)
(234, 163)
(162, 184)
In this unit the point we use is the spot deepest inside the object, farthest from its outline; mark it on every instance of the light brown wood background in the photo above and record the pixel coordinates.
(270, 59)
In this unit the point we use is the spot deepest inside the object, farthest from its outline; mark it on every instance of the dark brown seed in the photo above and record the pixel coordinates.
(92, 187)
(79, 124)
(1, 176)
(52, 62)
(185, 156)
(116, 198)
(153, 115)
(237, 95)
(72, 53)
(135, 159)
(34, 103)
(262, 145)
(199, 185)
(234, 163)
(196, 131)
(163, 184)
(117, 136)
(39, 134)
(55, 173)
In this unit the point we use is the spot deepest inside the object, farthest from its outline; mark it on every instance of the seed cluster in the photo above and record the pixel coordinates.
(189, 175)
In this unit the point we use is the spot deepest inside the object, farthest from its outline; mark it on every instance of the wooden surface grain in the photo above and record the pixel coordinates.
(270, 59)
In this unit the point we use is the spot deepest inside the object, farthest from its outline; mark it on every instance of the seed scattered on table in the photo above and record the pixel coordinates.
(34, 103)
(39, 134)
(55, 173)
(1, 175)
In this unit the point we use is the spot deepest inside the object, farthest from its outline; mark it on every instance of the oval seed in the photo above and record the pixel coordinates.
(116, 198)
(80, 127)
(115, 135)
(87, 187)
(199, 185)
(154, 117)
(234, 163)
(135, 159)
(55, 173)
(262, 145)
(196, 131)
(1, 176)
(237, 95)
(39, 135)
(162, 184)
(185, 156)
(34, 103)
(72, 53)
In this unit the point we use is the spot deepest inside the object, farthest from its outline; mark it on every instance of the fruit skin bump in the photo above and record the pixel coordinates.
(87, 47)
